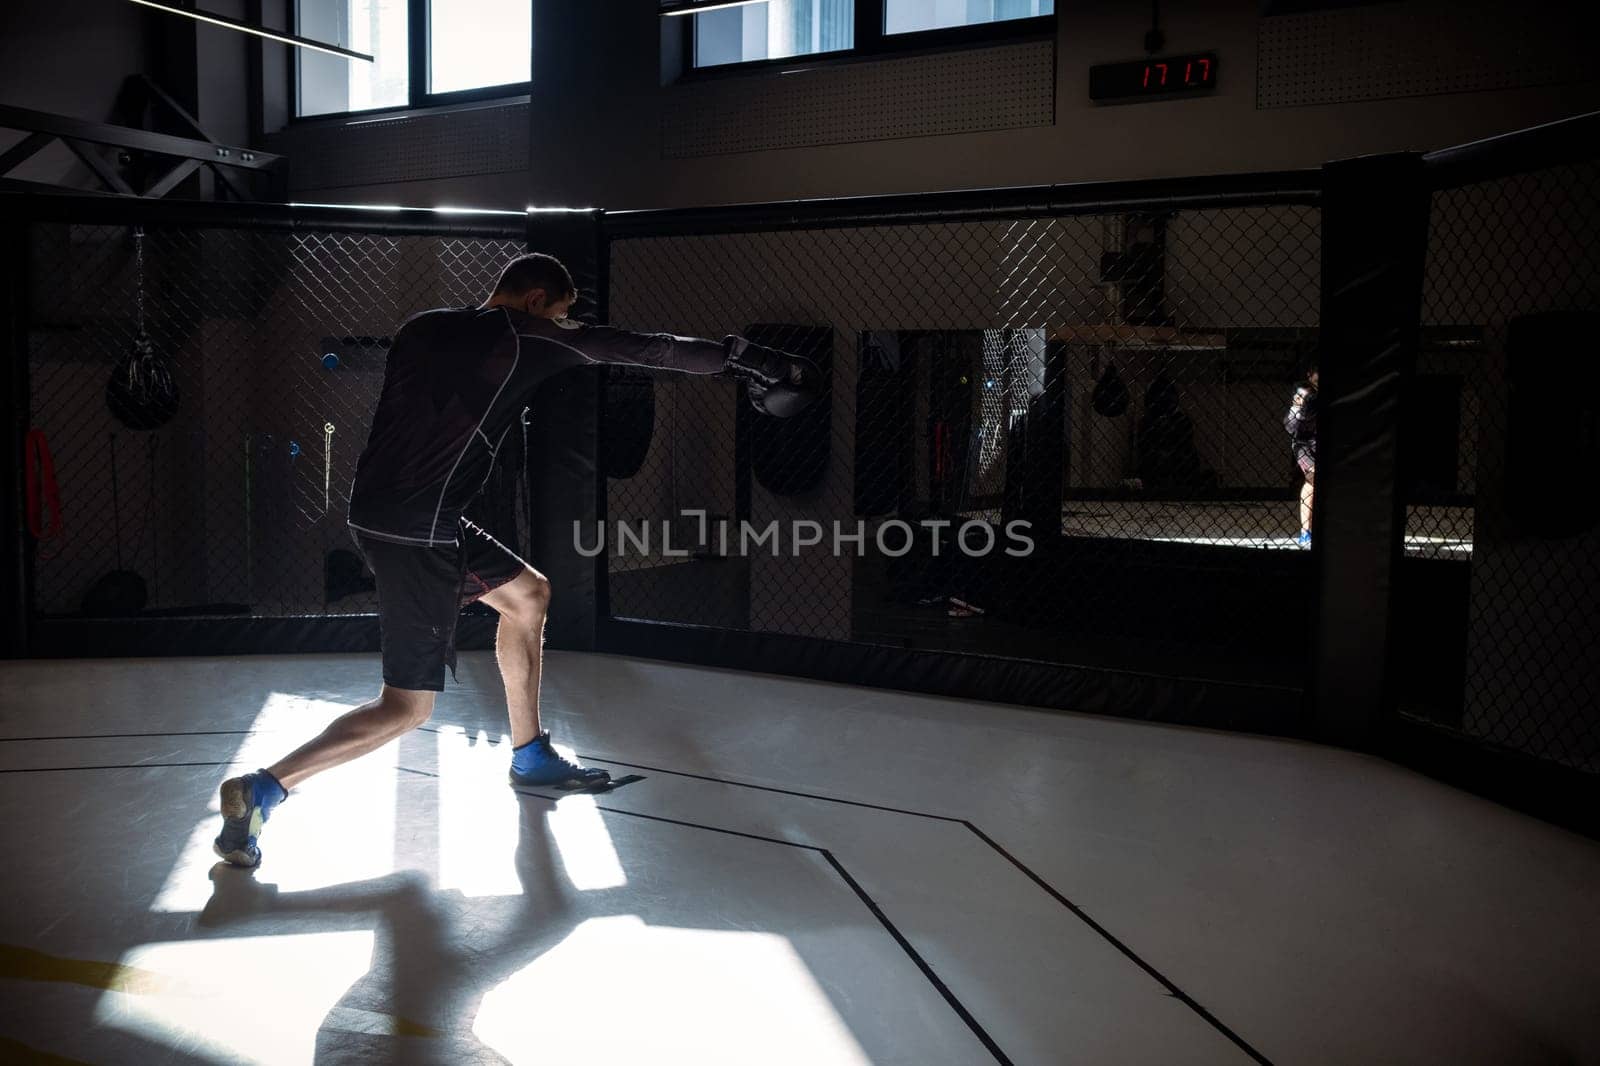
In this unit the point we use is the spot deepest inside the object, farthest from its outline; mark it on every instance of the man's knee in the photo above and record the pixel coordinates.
(409, 708)
(418, 714)
(532, 601)
(539, 591)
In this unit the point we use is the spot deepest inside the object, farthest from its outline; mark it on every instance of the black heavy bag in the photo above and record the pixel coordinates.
(1110, 397)
(628, 422)
(344, 573)
(789, 456)
(117, 594)
(121, 592)
(885, 408)
(141, 392)
(1553, 423)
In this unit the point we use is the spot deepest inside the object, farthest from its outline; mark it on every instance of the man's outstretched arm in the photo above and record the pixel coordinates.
(661, 351)
(776, 382)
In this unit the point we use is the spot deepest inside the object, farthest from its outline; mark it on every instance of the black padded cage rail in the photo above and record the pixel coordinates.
(190, 385)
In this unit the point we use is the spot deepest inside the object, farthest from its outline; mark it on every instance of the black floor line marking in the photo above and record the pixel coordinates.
(118, 766)
(1077, 911)
(927, 971)
(1110, 938)
(125, 736)
(771, 788)
(861, 893)
(605, 788)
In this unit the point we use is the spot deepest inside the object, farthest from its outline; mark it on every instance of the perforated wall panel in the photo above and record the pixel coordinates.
(485, 140)
(997, 88)
(1421, 48)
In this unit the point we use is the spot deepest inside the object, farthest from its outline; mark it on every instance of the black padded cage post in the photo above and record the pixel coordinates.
(203, 377)
(1374, 213)
(563, 420)
(16, 585)
(1494, 672)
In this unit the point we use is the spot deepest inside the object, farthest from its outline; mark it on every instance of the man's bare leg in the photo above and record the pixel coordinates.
(523, 604)
(353, 734)
(1306, 492)
(247, 801)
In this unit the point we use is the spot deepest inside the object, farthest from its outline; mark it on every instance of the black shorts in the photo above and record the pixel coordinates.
(1305, 457)
(420, 593)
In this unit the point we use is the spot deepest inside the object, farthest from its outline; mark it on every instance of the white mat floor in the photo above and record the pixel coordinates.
(804, 873)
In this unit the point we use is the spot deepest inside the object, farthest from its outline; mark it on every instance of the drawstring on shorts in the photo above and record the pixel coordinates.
(461, 586)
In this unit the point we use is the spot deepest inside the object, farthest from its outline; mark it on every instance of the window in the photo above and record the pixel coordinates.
(767, 30)
(777, 29)
(331, 84)
(910, 16)
(474, 44)
(425, 52)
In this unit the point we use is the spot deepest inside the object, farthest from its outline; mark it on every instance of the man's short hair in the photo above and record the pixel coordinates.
(536, 271)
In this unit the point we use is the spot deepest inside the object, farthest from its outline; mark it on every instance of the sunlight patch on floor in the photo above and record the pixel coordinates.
(584, 845)
(479, 815)
(338, 827)
(694, 995)
(245, 999)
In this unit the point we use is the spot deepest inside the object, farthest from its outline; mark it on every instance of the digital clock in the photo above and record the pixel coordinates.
(1143, 78)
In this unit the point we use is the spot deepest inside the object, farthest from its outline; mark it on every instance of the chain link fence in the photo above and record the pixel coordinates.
(1065, 435)
(205, 393)
(1116, 382)
(1501, 445)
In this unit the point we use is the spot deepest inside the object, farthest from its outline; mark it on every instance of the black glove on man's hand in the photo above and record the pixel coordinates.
(779, 384)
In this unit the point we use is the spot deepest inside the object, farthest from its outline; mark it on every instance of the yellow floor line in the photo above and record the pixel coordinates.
(17, 1051)
(26, 964)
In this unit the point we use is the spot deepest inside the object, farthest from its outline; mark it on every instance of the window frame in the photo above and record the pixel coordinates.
(872, 42)
(417, 64)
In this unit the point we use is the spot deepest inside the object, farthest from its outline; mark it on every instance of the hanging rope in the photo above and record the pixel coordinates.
(138, 279)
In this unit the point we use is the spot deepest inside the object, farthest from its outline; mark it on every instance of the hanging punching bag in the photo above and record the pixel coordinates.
(628, 421)
(789, 456)
(1553, 423)
(1110, 396)
(141, 392)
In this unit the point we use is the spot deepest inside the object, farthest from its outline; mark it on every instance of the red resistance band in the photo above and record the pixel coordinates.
(43, 494)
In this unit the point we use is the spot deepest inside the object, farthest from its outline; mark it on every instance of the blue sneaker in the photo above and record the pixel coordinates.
(247, 803)
(537, 763)
(1304, 540)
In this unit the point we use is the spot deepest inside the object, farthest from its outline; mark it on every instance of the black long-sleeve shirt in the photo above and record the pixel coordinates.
(454, 383)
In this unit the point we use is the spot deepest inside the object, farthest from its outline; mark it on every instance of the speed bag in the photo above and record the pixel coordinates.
(789, 456)
(628, 421)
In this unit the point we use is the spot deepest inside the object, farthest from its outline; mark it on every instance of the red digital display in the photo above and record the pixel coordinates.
(1167, 75)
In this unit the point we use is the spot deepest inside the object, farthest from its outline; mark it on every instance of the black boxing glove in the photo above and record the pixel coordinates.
(779, 384)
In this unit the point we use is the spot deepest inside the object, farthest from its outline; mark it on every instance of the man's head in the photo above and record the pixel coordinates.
(1311, 376)
(536, 284)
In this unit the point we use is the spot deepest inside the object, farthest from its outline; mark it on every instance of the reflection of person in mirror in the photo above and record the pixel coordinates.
(1301, 422)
